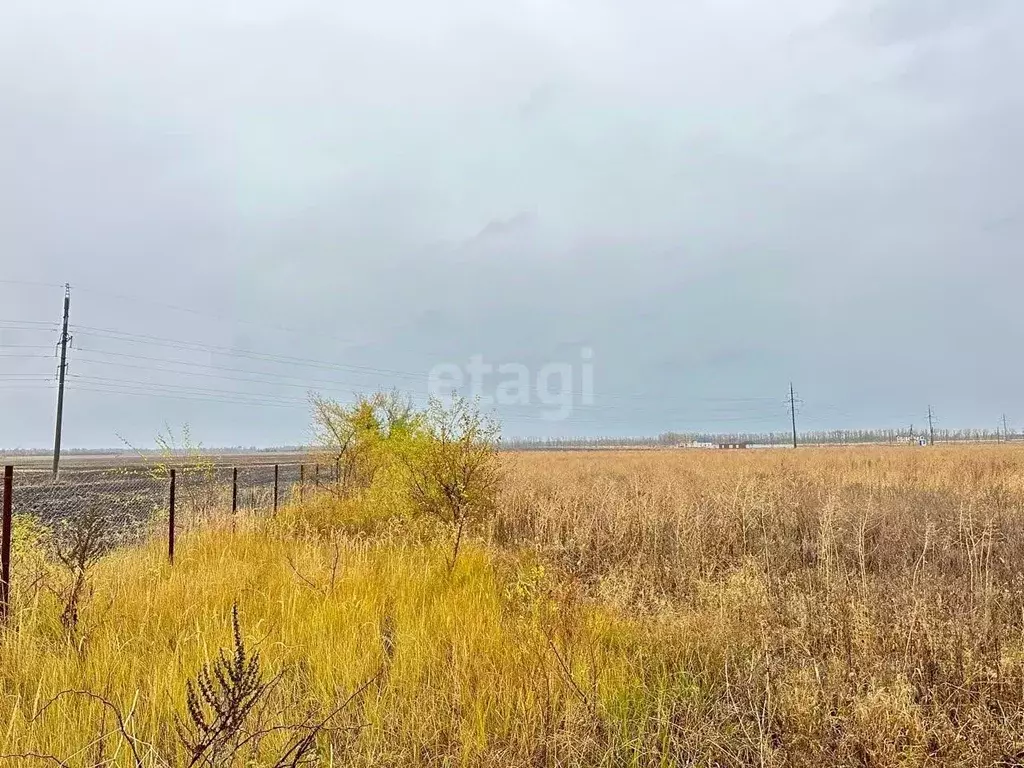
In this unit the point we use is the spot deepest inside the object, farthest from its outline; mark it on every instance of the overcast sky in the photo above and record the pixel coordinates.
(715, 197)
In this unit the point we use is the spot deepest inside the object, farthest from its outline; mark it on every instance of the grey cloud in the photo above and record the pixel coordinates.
(902, 21)
(717, 197)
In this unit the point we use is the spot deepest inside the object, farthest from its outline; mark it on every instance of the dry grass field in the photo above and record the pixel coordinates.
(859, 607)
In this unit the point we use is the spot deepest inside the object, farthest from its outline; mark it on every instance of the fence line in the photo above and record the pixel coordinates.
(133, 497)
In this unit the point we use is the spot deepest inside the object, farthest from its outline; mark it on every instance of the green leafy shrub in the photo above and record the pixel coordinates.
(438, 463)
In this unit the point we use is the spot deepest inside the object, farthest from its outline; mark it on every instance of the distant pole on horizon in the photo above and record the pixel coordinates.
(1006, 430)
(931, 426)
(792, 410)
(61, 372)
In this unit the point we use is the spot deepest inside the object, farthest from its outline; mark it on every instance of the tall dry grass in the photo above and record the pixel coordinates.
(865, 605)
(850, 607)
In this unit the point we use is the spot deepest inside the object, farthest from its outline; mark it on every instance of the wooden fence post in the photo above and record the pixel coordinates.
(5, 545)
(275, 488)
(170, 521)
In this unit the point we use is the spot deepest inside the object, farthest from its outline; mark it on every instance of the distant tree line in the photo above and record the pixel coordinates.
(822, 437)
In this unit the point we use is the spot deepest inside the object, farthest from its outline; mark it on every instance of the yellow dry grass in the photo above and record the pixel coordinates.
(835, 606)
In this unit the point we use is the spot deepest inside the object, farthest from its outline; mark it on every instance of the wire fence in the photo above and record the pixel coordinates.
(125, 504)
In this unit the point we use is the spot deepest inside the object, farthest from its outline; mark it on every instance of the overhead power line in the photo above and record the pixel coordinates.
(205, 366)
(352, 388)
(303, 405)
(165, 396)
(159, 390)
(134, 338)
(34, 283)
(180, 388)
(749, 410)
(147, 301)
(733, 403)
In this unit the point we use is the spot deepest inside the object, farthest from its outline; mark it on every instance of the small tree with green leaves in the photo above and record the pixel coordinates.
(366, 436)
(198, 491)
(454, 471)
(443, 459)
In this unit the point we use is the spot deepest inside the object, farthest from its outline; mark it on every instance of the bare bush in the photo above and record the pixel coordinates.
(79, 543)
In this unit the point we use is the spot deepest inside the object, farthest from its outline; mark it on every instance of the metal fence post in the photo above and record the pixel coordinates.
(234, 490)
(316, 475)
(5, 545)
(170, 522)
(302, 480)
(275, 488)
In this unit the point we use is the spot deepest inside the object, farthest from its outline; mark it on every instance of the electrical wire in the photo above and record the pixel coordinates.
(109, 386)
(228, 351)
(412, 395)
(147, 301)
(190, 364)
(734, 403)
(178, 388)
(162, 396)
(37, 283)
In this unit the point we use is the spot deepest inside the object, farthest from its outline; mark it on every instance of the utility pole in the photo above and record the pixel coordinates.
(61, 372)
(1006, 431)
(931, 427)
(792, 410)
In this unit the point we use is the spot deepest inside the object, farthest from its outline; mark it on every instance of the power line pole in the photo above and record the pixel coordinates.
(1006, 431)
(61, 372)
(792, 410)
(931, 427)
